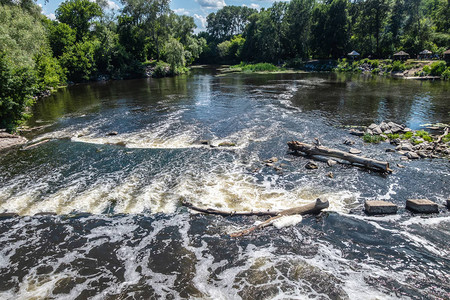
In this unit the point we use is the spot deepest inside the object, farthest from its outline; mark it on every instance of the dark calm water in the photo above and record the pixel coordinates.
(120, 232)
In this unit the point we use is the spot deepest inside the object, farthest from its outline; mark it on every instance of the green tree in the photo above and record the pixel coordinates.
(299, 19)
(174, 52)
(21, 35)
(79, 15)
(79, 60)
(16, 93)
(60, 37)
(228, 22)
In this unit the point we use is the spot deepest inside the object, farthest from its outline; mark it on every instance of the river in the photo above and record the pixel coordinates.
(100, 215)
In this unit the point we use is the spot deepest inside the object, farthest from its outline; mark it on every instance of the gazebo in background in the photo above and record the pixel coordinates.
(425, 54)
(353, 55)
(402, 55)
(447, 56)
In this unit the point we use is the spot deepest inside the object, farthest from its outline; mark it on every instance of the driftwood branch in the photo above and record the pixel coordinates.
(311, 208)
(313, 150)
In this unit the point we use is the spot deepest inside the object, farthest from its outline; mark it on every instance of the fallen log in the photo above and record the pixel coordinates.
(313, 150)
(311, 208)
(213, 211)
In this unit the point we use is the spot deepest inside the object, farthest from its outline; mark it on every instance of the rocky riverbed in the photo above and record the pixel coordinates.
(411, 144)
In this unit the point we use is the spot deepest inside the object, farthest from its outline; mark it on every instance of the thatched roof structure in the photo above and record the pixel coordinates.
(353, 53)
(401, 53)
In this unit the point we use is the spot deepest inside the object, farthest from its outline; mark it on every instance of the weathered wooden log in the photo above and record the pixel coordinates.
(311, 208)
(213, 211)
(372, 164)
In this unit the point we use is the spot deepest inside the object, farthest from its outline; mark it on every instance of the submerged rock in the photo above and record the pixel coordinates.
(227, 144)
(112, 133)
(311, 165)
(331, 162)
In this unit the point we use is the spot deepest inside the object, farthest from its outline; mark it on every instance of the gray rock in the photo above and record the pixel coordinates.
(311, 165)
(369, 131)
(271, 160)
(422, 154)
(396, 141)
(377, 207)
(356, 132)
(331, 162)
(400, 166)
(377, 130)
(402, 152)
(390, 150)
(348, 142)
(406, 147)
(422, 206)
(395, 127)
(113, 133)
(330, 174)
(404, 158)
(372, 126)
(354, 151)
(406, 129)
(388, 131)
(412, 155)
(384, 126)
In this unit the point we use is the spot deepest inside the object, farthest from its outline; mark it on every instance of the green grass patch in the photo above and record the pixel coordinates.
(259, 67)
(373, 139)
(446, 138)
(406, 136)
(424, 135)
(393, 136)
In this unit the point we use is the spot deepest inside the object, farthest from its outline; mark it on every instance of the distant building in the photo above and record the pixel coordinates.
(353, 54)
(425, 54)
(402, 55)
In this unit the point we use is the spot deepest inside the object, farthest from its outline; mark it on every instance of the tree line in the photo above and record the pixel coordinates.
(85, 42)
(327, 29)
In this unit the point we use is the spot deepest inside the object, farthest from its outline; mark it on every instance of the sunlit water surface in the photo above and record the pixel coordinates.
(120, 230)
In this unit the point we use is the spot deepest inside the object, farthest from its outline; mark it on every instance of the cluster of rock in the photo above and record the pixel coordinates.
(382, 129)
(413, 148)
(10, 140)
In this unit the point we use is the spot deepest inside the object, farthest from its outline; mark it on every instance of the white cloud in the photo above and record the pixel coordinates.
(181, 11)
(51, 17)
(212, 3)
(253, 5)
(112, 4)
(202, 20)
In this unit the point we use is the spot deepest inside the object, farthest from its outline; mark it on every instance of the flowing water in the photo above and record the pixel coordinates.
(118, 229)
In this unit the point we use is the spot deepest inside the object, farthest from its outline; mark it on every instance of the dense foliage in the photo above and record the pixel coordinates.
(304, 29)
(86, 42)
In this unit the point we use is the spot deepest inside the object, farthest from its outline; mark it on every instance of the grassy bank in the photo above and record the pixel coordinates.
(252, 68)
(409, 68)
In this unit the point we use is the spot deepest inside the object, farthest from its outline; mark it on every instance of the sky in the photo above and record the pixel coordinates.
(198, 9)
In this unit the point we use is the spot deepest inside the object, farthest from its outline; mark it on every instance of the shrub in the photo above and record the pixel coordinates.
(406, 136)
(48, 70)
(446, 74)
(17, 86)
(161, 69)
(398, 66)
(437, 68)
(424, 135)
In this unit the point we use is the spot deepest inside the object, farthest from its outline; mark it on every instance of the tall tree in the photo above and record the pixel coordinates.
(78, 14)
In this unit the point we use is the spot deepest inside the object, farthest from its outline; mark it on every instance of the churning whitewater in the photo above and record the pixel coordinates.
(99, 202)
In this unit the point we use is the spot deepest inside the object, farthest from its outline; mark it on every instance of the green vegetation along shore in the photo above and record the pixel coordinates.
(146, 38)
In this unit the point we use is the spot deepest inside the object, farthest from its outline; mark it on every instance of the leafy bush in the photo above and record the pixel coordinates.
(161, 69)
(446, 74)
(437, 68)
(393, 136)
(17, 86)
(407, 135)
(398, 66)
(79, 60)
(49, 72)
(424, 135)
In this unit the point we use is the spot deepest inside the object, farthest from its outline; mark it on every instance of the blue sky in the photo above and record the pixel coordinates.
(198, 9)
